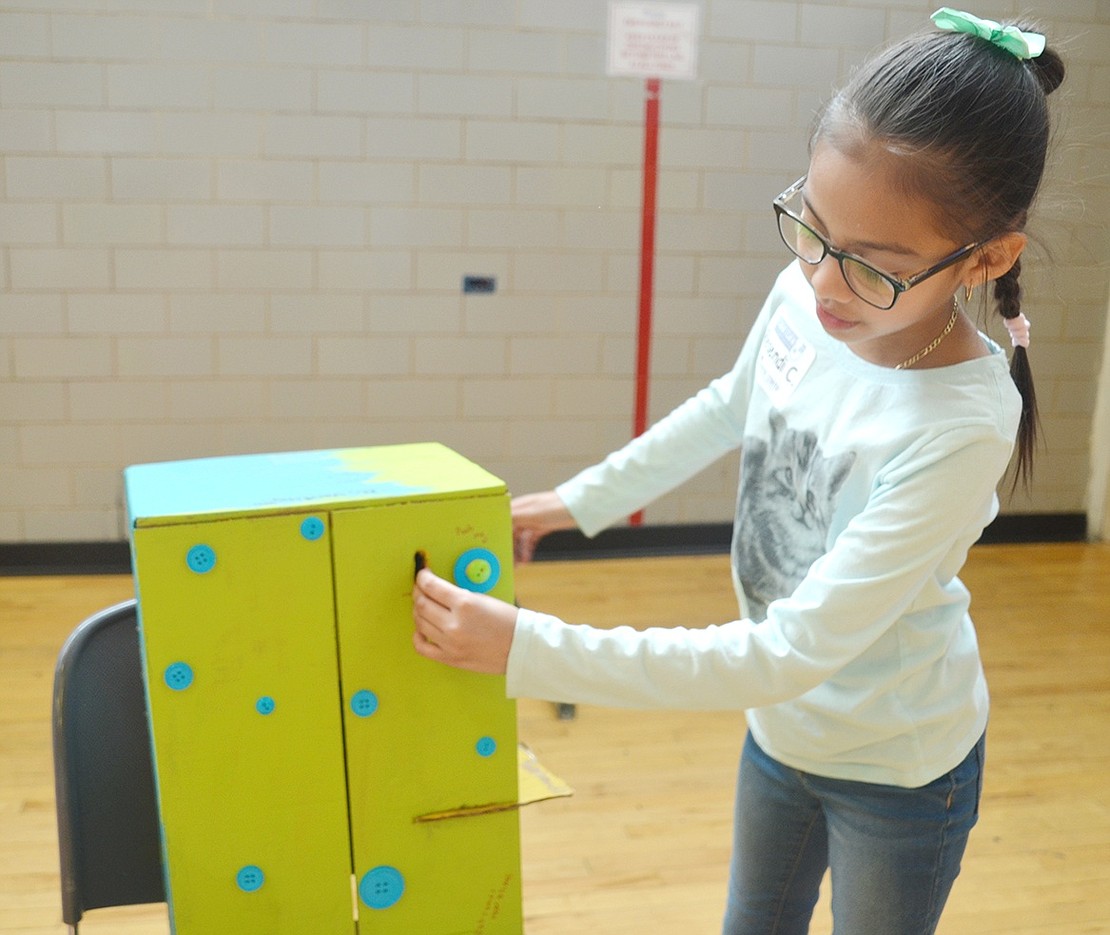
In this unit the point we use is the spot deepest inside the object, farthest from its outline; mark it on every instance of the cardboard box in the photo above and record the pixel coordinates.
(315, 775)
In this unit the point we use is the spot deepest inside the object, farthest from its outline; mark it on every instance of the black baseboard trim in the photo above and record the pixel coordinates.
(65, 558)
(114, 558)
(1018, 528)
(637, 541)
(713, 538)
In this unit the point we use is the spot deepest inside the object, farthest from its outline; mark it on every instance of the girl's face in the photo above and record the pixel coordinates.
(853, 201)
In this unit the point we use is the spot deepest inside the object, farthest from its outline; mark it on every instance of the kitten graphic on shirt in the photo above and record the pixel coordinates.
(788, 490)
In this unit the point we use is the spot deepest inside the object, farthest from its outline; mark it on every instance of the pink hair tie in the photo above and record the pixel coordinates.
(1019, 330)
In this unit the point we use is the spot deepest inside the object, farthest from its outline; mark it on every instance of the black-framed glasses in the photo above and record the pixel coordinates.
(871, 284)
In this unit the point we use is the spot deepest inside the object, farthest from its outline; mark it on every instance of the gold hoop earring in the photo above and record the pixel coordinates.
(967, 293)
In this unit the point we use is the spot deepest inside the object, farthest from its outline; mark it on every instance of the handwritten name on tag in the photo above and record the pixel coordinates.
(784, 359)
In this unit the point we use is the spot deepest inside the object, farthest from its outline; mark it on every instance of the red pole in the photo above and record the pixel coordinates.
(647, 262)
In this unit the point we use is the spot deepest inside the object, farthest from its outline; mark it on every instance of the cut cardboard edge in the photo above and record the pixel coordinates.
(536, 783)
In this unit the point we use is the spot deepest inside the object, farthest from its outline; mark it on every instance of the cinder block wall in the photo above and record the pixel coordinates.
(242, 225)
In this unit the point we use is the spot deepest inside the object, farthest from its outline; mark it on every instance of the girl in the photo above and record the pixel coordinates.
(875, 422)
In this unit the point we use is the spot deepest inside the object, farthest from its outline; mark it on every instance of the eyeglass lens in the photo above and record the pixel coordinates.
(864, 281)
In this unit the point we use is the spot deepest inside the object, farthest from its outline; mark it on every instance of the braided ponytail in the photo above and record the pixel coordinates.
(1007, 293)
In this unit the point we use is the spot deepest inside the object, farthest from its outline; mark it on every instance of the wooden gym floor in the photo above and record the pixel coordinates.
(643, 845)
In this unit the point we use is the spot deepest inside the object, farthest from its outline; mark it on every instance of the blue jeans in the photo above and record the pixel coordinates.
(893, 853)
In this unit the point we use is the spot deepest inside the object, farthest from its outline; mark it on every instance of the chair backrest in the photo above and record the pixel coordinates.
(109, 834)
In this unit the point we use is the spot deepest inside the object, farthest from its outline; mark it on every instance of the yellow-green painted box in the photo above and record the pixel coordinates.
(297, 735)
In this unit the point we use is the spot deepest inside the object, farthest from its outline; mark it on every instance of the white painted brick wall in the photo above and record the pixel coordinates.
(365, 271)
(81, 131)
(56, 179)
(262, 88)
(264, 270)
(269, 355)
(190, 133)
(312, 314)
(104, 38)
(25, 131)
(116, 313)
(416, 227)
(318, 398)
(26, 35)
(169, 181)
(117, 401)
(154, 87)
(158, 357)
(363, 356)
(367, 182)
(361, 92)
(439, 271)
(108, 224)
(199, 400)
(465, 185)
(244, 226)
(412, 138)
(29, 223)
(463, 95)
(317, 226)
(35, 268)
(512, 53)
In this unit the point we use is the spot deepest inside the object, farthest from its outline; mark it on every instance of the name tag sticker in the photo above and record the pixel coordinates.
(784, 358)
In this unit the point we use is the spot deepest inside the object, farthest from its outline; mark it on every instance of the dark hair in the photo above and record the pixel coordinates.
(973, 120)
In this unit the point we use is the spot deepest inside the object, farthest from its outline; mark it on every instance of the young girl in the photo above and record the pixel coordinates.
(875, 422)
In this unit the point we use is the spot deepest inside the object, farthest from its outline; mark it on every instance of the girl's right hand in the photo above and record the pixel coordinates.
(534, 516)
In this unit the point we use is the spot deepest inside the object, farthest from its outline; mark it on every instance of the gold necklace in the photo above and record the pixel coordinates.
(935, 343)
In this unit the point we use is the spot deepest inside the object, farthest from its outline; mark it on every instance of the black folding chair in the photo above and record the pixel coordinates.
(109, 835)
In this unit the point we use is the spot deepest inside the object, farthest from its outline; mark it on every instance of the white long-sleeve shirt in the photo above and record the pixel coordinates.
(861, 490)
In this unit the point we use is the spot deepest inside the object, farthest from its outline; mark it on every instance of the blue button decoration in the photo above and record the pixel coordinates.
(487, 746)
(312, 528)
(364, 703)
(250, 878)
(201, 559)
(381, 887)
(179, 676)
(265, 705)
(477, 570)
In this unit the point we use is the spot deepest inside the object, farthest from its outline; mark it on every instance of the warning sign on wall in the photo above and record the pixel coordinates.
(653, 40)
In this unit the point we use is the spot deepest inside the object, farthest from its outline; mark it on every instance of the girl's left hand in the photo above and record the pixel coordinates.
(461, 628)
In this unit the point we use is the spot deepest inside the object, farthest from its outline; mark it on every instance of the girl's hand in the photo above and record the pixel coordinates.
(534, 516)
(461, 628)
